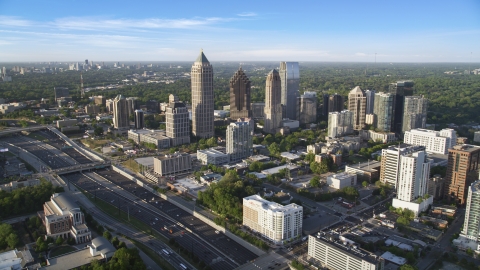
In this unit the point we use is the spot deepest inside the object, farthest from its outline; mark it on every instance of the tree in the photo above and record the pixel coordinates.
(98, 131)
(59, 241)
(365, 184)
(403, 221)
(407, 267)
(274, 149)
(12, 240)
(107, 235)
(5, 231)
(315, 181)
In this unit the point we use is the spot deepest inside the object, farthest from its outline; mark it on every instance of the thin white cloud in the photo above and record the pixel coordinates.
(247, 14)
(14, 21)
(360, 54)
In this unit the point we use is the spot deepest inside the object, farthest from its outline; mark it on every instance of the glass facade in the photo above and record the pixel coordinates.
(290, 77)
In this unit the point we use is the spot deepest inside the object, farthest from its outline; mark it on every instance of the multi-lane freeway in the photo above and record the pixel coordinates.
(211, 246)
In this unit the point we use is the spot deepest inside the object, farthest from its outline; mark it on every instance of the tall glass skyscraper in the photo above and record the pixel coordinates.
(370, 94)
(290, 77)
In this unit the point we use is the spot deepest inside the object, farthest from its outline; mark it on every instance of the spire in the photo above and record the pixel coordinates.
(202, 58)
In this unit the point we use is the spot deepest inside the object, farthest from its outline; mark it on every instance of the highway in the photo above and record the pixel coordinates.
(218, 251)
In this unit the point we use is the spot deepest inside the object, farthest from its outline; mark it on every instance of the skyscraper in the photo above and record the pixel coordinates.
(414, 113)
(357, 103)
(462, 170)
(471, 225)
(370, 94)
(120, 114)
(202, 97)
(335, 103)
(399, 90)
(61, 92)
(240, 96)
(340, 123)
(326, 98)
(307, 108)
(139, 119)
(239, 140)
(177, 122)
(290, 79)
(273, 106)
(383, 110)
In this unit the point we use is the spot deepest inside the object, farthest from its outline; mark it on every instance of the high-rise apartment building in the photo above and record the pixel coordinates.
(290, 80)
(239, 140)
(307, 108)
(471, 225)
(120, 113)
(383, 111)
(335, 254)
(434, 141)
(340, 123)
(177, 122)
(325, 98)
(274, 221)
(357, 103)
(414, 113)
(240, 88)
(399, 90)
(391, 161)
(202, 97)
(139, 119)
(462, 170)
(370, 95)
(335, 103)
(412, 181)
(273, 106)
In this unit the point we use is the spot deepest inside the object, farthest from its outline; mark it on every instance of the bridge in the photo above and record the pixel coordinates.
(82, 167)
(17, 130)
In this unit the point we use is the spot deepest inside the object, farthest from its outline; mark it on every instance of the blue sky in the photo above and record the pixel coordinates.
(347, 31)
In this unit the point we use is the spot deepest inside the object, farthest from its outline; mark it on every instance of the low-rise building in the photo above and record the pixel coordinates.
(385, 137)
(9, 187)
(436, 186)
(156, 137)
(172, 164)
(341, 180)
(369, 171)
(425, 230)
(62, 218)
(275, 170)
(290, 156)
(210, 178)
(340, 255)
(92, 109)
(476, 136)
(212, 156)
(445, 210)
(274, 221)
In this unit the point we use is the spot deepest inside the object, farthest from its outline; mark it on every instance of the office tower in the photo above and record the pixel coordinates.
(240, 95)
(383, 110)
(274, 221)
(86, 62)
(290, 79)
(462, 170)
(357, 103)
(331, 253)
(471, 225)
(139, 119)
(399, 90)
(239, 140)
(340, 123)
(120, 113)
(61, 92)
(335, 103)
(326, 98)
(177, 122)
(412, 181)
(4, 71)
(273, 106)
(202, 97)
(370, 95)
(414, 113)
(434, 141)
(153, 106)
(258, 110)
(307, 108)
(390, 163)
(100, 100)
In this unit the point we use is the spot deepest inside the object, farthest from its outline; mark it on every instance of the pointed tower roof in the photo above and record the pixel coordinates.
(355, 90)
(273, 71)
(202, 58)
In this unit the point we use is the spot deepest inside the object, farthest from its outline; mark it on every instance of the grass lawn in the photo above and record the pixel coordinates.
(132, 165)
(356, 159)
(61, 250)
(94, 143)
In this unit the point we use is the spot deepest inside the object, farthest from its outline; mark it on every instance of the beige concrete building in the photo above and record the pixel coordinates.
(120, 113)
(202, 97)
(177, 122)
(172, 164)
(92, 109)
(414, 113)
(357, 104)
(273, 106)
(9, 187)
(240, 88)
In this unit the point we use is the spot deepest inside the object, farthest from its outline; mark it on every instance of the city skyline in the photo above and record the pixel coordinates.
(325, 31)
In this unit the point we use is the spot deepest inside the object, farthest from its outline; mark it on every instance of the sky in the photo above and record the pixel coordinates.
(295, 30)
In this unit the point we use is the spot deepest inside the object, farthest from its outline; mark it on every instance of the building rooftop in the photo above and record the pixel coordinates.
(277, 169)
(71, 260)
(169, 156)
(270, 206)
(426, 230)
(102, 245)
(475, 186)
(64, 202)
(289, 155)
(201, 58)
(466, 147)
(212, 152)
(346, 247)
(393, 258)
(371, 166)
(356, 90)
(10, 260)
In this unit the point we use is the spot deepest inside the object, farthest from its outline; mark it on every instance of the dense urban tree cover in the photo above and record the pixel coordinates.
(26, 200)
(8, 237)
